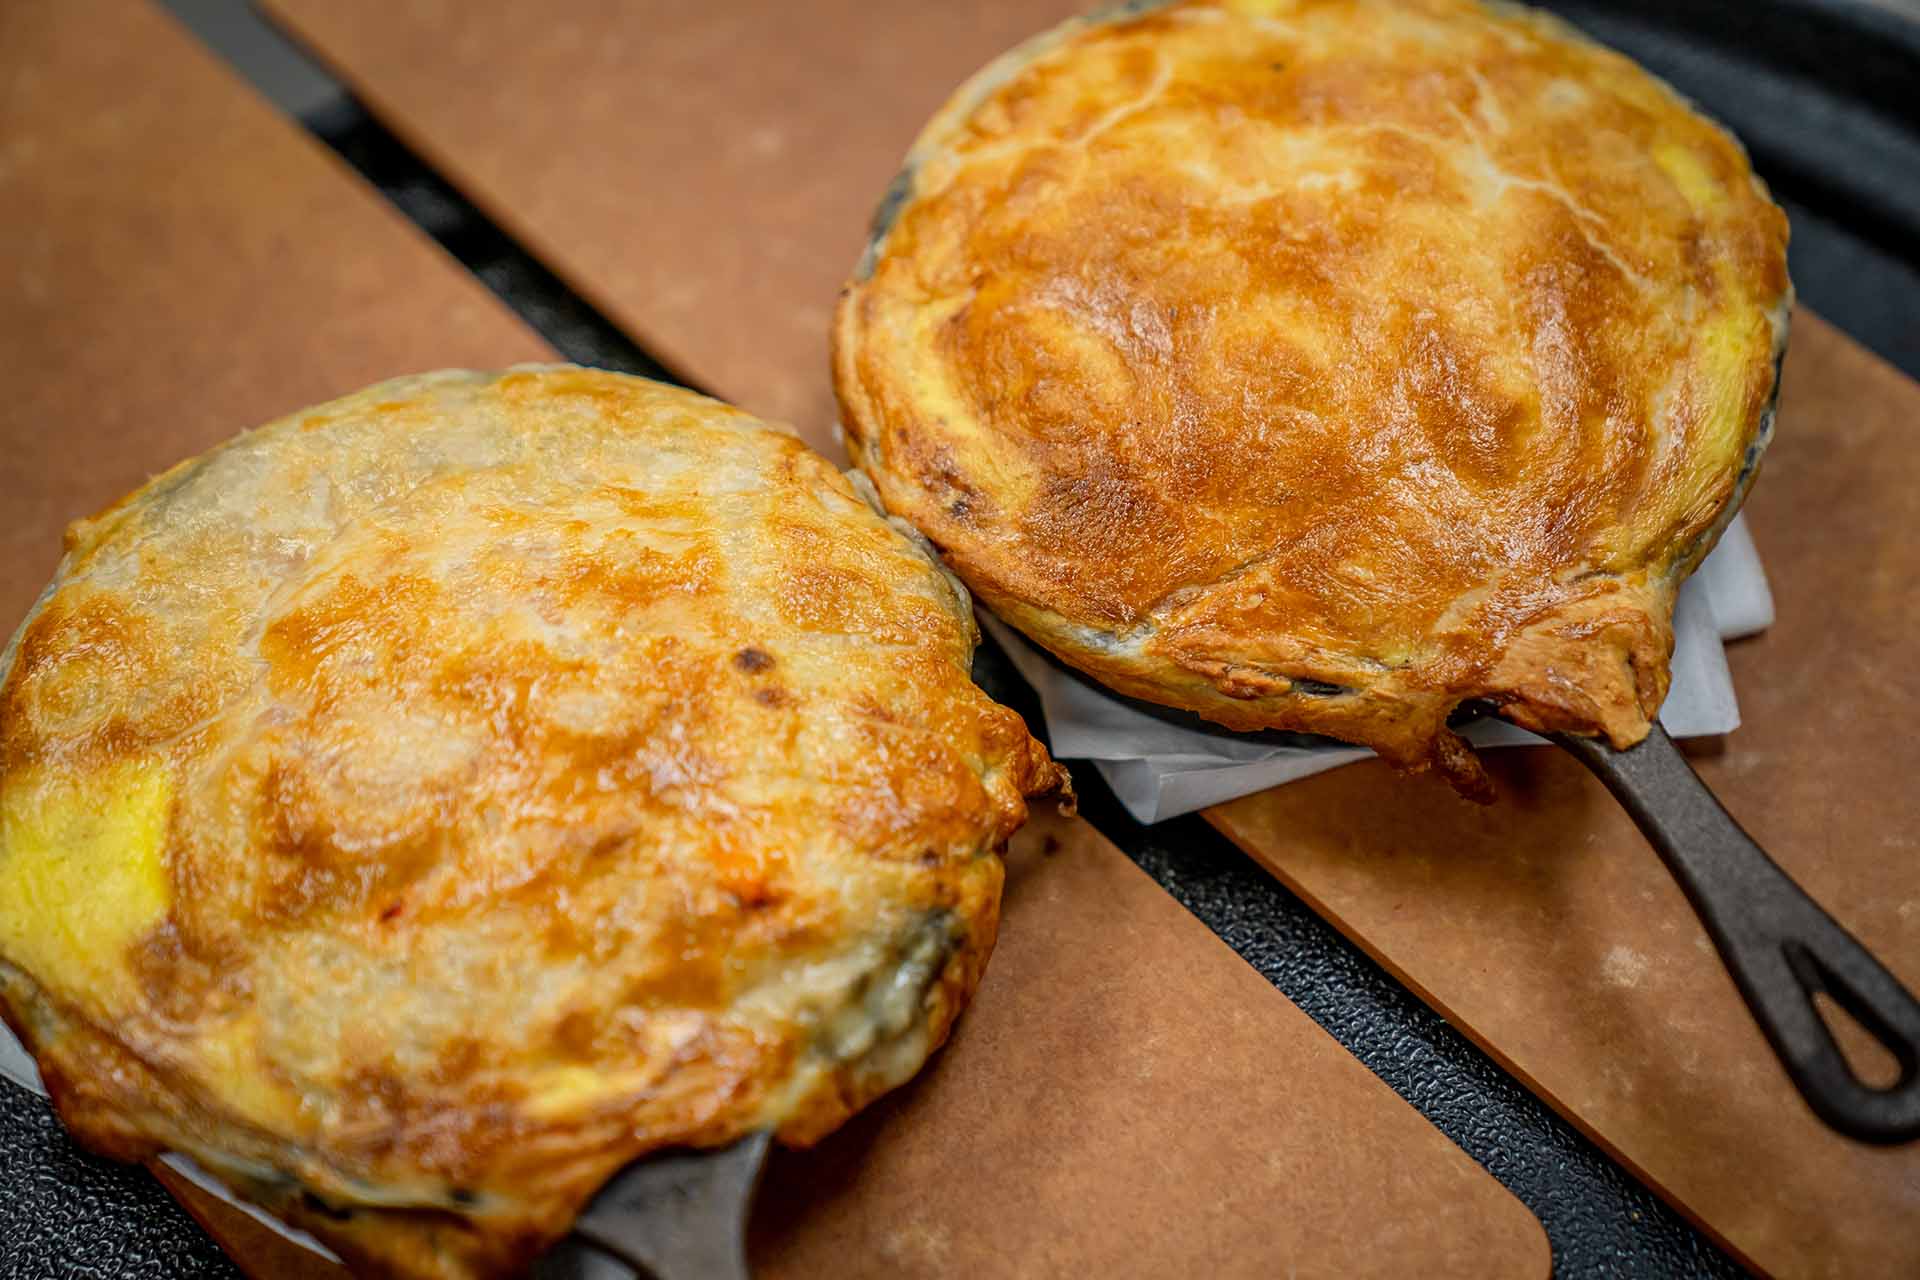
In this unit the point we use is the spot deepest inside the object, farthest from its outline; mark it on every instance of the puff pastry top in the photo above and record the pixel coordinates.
(421, 806)
(1325, 364)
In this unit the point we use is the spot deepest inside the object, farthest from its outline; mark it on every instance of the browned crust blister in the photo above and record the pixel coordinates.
(1325, 364)
(559, 766)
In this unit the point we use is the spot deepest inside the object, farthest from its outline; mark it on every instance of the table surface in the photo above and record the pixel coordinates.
(1855, 259)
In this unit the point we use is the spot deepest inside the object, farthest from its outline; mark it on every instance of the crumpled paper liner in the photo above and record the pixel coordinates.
(1160, 768)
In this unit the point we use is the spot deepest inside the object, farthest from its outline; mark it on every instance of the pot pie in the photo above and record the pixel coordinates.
(1325, 365)
(420, 807)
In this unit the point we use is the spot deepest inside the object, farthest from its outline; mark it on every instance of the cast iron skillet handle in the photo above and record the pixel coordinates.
(1780, 947)
(680, 1215)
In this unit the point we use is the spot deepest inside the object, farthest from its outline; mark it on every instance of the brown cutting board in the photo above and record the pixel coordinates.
(636, 153)
(1580, 966)
(1127, 1096)
(703, 172)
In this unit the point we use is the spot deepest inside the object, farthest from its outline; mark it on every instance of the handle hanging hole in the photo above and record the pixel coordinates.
(1871, 1062)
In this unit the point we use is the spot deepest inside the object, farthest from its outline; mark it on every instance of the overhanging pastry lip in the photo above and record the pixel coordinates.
(466, 787)
(1414, 350)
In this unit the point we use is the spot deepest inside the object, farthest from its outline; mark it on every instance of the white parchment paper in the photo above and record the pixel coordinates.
(1161, 769)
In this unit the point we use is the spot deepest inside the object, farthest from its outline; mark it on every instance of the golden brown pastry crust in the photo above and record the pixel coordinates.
(539, 769)
(1324, 364)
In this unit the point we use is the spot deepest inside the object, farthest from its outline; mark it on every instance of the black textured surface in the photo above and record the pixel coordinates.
(69, 1214)
(1823, 91)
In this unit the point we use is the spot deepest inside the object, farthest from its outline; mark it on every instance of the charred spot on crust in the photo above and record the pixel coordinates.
(576, 1035)
(898, 192)
(1466, 712)
(759, 896)
(1123, 9)
(753, 661)
(326, 1208)
(1318, 688)
(611, 842)
(770, 697)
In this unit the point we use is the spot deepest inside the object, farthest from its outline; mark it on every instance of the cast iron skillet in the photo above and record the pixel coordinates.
(682, 1215)
(678, 1215)
(1780, 946)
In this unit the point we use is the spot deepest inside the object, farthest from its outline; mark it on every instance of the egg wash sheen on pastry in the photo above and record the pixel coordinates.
(1325, 364)
(420, 807)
